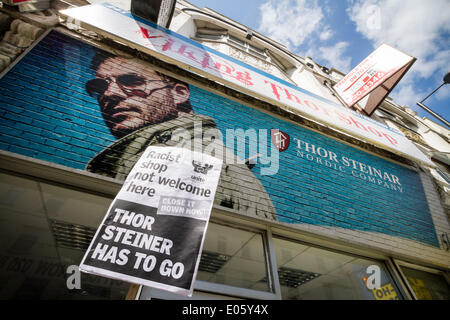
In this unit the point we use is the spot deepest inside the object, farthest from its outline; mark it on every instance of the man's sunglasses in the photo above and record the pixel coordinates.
(131, 84)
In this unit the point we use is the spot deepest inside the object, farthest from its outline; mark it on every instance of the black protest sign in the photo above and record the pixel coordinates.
(153, 231)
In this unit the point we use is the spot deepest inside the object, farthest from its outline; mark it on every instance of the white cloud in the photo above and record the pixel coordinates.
(407, 94)
(414, 26)
(326, 34)
(336, 57)
(301, 26)
(290, 22)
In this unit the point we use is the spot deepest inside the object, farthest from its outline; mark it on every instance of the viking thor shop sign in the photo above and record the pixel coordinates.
(154, 230)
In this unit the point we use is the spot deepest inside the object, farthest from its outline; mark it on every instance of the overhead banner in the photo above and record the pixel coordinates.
(154, 230)
(374, 78)
(171, 47)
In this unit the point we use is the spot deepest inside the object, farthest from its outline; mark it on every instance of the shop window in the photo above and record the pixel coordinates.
(44, 229)
(233, 257)
(310, 273)
(427, 285)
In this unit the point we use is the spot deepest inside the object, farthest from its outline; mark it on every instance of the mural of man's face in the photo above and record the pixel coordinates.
(132, 96)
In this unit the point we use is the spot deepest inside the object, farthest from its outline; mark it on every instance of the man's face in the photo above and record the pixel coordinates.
(132, 96)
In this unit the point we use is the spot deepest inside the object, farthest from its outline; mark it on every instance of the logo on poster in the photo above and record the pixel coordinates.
(280, 139)
(199, 168)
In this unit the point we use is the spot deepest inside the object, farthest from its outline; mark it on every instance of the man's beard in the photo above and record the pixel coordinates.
(165, 111)
(149, 120)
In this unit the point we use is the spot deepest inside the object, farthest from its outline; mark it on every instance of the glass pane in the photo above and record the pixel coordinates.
(233, 257)
(427, 286)
(308, 273)
(44, 229)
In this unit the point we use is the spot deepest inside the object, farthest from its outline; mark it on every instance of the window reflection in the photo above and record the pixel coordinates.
(233, 257)
(426, 285)
(308, 273)
(43, 230)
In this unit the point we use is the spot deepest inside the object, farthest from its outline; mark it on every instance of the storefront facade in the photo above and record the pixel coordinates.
(303, 215)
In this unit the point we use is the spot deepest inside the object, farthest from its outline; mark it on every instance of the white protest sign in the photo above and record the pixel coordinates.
(154, 230)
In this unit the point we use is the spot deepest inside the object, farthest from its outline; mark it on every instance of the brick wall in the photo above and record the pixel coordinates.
(304, 191)
(46, 113)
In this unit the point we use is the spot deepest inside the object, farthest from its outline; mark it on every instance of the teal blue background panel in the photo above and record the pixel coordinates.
(45, 113)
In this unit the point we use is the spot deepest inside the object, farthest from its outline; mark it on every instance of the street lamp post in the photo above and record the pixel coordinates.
(420, 104)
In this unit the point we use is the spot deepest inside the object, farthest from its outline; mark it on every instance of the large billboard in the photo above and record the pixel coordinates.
(72, 104)
(169, 46)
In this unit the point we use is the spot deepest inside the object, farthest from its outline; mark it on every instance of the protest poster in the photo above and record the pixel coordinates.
(154, 230)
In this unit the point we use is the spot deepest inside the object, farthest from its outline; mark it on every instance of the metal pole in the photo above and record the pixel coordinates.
(434, 114)
(433, 92)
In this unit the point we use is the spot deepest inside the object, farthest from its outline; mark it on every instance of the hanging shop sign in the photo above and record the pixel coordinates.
(154, 230)
(174, 48)
(370, 82)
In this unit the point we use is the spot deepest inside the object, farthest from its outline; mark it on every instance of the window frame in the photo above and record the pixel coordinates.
(220, 289)
(401, 263)
(384, 262)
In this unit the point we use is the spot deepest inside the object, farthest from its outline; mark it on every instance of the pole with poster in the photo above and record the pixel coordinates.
(153, 232)
(370, 82)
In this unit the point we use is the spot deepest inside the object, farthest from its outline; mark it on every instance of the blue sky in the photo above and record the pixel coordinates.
(342, 33)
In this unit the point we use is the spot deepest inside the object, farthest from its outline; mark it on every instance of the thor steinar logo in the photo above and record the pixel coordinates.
(280, 139)
(199, 168)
